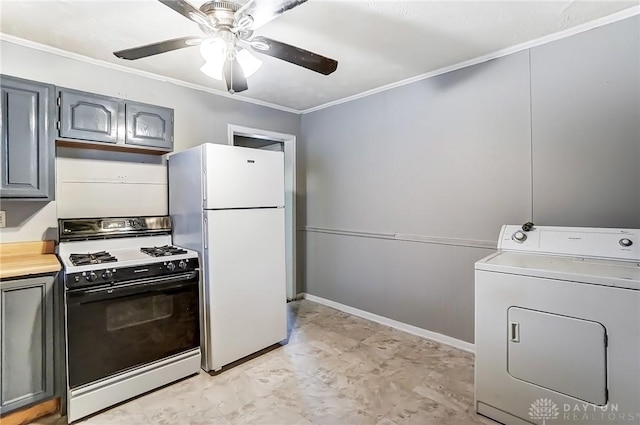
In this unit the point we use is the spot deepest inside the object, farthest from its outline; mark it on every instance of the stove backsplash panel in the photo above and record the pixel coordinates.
(93, 183)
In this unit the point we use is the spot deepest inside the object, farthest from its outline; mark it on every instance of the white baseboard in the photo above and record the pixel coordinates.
(414, 330)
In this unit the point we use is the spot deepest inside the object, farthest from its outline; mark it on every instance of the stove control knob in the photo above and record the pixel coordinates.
(626, 242)
(77, 279)
(91, 277)
(171, 266)
(519, 236)
(107, 274)
(182, 264)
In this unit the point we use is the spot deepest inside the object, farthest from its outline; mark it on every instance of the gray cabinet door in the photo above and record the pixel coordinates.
(26, 341)
(92, 117)
(27, 153)
(149, 125)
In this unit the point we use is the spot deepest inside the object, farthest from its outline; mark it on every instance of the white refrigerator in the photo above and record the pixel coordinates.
(227, 203)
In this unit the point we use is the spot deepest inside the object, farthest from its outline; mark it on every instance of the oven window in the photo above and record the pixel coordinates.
(110, 334)
(137, 312)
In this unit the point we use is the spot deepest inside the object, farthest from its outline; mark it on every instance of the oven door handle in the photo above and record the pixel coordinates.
(132, 287)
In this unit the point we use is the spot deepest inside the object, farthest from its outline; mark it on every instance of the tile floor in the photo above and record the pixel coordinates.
(336, 369)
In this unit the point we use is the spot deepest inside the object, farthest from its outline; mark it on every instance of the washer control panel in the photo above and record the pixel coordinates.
(619, 244)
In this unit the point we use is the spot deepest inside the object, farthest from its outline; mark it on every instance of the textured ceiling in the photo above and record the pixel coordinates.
(375, 42)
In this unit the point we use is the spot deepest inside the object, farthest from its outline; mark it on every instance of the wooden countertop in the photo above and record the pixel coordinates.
(25, 258)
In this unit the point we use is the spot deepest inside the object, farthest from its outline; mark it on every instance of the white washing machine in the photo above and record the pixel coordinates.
(557, 327)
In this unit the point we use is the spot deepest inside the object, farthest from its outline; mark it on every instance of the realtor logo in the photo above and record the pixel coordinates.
(543, 409)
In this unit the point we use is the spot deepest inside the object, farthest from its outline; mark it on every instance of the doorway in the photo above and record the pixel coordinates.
(270, 140)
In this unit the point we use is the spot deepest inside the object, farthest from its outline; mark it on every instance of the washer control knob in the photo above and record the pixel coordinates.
(171, 266)
(91, 277)
(182, 264)
(527, 226)
(519, 236)
(107, 274)
(626, 242)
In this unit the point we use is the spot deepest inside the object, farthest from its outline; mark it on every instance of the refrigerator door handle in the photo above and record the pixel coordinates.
(204, 188)
(206, 233)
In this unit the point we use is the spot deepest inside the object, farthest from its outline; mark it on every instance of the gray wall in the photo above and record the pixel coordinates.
(586, 128)
(407, 188)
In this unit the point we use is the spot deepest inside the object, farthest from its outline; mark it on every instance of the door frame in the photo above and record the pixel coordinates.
(289, 142)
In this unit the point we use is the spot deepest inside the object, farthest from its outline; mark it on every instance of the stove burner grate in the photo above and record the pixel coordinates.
(161, 251)
(92, 258)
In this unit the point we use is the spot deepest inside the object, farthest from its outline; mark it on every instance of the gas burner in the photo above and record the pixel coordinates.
(92, 258)
(161, 251)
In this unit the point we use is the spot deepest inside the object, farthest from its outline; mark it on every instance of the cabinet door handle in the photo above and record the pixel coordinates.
(514, 331)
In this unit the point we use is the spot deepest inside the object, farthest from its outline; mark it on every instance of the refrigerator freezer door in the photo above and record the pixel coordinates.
(242, 177)
(245, 274)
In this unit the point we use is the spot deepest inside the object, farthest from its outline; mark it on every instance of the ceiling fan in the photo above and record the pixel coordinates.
(228, 29)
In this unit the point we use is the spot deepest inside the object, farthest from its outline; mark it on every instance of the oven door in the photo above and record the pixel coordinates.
(112, 329)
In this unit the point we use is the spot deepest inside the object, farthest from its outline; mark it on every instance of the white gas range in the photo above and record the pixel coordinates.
(131, 309)
(93, 262)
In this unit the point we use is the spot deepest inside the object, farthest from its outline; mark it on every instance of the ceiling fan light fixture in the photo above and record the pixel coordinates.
(214, 65)
(212, 69)
(249, 63)
(214, 53)
(213, 50)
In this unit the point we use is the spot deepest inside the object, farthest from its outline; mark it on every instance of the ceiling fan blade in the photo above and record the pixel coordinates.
(263, 11)
(294, 55)
(188, 11)
(156, 48)
(234, 76)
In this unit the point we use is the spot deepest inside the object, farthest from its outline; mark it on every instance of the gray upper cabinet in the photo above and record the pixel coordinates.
(26, 152)
(149, 125)
(26, 341)
(88, 116)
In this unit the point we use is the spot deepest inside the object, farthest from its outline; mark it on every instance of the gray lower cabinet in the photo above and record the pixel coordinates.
(87, 117)
(26, 150)
(26, 341)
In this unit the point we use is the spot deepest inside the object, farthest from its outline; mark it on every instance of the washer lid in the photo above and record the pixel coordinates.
(620, 274)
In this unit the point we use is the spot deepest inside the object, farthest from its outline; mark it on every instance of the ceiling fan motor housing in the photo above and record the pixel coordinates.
(222, 11)
(219, 5)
